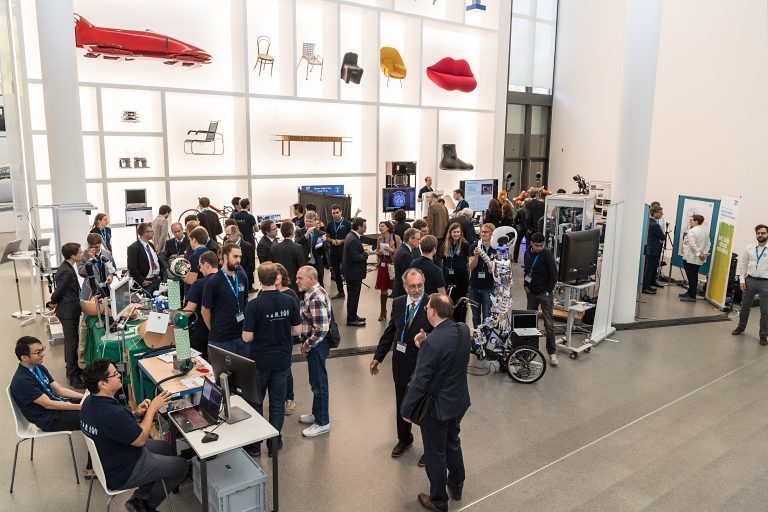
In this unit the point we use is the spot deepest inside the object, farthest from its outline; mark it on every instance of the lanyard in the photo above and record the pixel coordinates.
(454, 248)
(104, 235)
(533, 265)
(178, 249)
(39, 376)
(235, 289)
(336, 226)
(759, 257)
(407, 318)
(199, 249)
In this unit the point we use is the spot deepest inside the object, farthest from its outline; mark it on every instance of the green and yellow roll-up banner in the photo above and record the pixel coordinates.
(717, 284)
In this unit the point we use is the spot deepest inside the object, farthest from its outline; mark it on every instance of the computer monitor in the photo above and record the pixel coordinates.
(135, 197)
(272, 216)
(398, 199)
(119, 296)
(211, 398)
(237, 374)
(578, 257)
(479, 192)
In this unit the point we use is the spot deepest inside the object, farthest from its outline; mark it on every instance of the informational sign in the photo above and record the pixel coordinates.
(602, 192)
(686, 207)
(330, 190)
(721, 251)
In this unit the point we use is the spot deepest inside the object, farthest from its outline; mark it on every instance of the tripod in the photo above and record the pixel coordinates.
(659, 271)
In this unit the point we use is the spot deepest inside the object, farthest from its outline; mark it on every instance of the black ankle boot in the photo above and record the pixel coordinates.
(452, 162)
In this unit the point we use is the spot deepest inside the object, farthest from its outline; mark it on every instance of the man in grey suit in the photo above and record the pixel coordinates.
(403, 257)
(441, 368)
(354, 267)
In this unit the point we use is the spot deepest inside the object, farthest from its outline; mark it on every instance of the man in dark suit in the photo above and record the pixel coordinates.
(208, 218)
(354, 267)
(178, 245)
(248, 259)
(143, 263)
(534, 211)
(409, 317)
(441, 368)
(289, 254)
(269, 230)
(338, 229)
(403, 258)
(313, 239)
(66, 299)
(653, 248)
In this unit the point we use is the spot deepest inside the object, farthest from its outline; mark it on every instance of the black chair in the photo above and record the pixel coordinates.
(211, 144)
(349, 68)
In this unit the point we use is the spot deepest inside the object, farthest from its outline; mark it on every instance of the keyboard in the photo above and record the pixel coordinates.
(195, 418)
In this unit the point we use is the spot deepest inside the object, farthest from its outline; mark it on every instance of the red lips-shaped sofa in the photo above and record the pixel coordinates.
(452, 75)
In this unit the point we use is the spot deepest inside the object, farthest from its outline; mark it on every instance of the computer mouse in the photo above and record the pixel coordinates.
(210, 437)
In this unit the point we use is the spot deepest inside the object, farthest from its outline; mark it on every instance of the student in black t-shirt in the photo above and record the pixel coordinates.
(282, 284)
(455, 261)
(481, 277)
(197, 239)
(433, 276)
(129, 457)
(271, 321)
(198, 339)
(245, 221)
(224, 299)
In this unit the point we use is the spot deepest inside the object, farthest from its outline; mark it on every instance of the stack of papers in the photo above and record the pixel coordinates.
(168, 356)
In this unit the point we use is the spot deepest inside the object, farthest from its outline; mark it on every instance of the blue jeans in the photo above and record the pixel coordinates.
(483, 297)
(275, 383)
(318, 381)
(236, 346)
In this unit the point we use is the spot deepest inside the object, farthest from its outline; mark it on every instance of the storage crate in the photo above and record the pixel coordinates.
(235, 483)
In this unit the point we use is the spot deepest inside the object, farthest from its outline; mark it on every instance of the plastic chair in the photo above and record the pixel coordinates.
(212, 138)
(349, 68)
(392, 64)
(264, 57)
(26, 430)
(99, 470)
(308, 54)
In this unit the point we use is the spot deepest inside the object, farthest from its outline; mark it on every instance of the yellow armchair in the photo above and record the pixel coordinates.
(392, 64)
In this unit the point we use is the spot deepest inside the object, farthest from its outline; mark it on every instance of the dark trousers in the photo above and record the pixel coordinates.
(545, 301)
(67, 421)
(460, 282)
(318, 381)
(336, 272)
(353, 298)
(199, 344)
(692, 274)
(274, 382)
(518, 243)
(755, 287)
(443, 457)
(71, 328)
(320, 267)
(153, 286)
(651, 265)
(156, 465)
(404, 435)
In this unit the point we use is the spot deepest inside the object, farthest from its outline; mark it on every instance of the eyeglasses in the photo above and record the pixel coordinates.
(38, 352)
(116, 374)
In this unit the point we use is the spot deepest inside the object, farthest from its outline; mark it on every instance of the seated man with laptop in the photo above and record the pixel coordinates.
(129, 456)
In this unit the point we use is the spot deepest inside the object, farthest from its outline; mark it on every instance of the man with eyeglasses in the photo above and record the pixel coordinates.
(129, 456)
(409, 318)
(43, 401)
(269, 230)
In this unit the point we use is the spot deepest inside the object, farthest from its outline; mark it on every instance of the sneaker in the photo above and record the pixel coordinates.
(553, 359)
(290, 407)
(316, 430)
(687, 299)
(307, 418)
(89, 474)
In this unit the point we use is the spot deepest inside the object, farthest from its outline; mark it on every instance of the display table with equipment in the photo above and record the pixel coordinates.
(573, 306)
(157, 368)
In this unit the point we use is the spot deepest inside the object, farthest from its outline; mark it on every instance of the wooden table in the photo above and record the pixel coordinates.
(155, 369)
(310, 138)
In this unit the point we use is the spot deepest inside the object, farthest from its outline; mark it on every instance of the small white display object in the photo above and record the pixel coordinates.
(158, 322)
(564, 213)
(135, 216)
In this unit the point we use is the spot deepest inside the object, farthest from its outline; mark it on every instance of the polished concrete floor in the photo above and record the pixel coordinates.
(668, 419)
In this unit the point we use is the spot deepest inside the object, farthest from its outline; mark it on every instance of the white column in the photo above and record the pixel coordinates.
(58, 62)
(641, 48)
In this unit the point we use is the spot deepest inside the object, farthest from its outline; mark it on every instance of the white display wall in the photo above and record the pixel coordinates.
(382, 122)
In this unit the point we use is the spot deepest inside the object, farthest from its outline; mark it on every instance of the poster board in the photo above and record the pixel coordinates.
(602, 192)
(717, 286)
(602, 327)
(687, 206)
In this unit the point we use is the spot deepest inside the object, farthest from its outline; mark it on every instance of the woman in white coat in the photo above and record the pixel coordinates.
(696, 247)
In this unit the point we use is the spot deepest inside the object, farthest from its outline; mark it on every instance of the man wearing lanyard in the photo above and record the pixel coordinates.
(143, 263)
(338, 230)
(197, 239)
(100, 258)
(753, 274)
(313, 239)
(539, 283)
(480, 276)
(178, 245)
(409, 317)
(248, 261)
(224, 301)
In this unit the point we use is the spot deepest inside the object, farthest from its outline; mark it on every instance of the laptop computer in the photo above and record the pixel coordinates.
(525, 324)
(203, 415)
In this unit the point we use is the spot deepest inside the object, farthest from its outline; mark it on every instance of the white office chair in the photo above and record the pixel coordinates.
(26, 430)
(99, 470)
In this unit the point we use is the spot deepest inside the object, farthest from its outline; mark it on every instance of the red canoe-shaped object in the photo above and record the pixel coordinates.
(452, 75)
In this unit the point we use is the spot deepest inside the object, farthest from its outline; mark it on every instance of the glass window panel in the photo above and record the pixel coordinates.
(514, 144)
(544, 55)
(513, 172)
(523, 7)
(535, 168)
(539, 128)
(546, 9)
(521, 53)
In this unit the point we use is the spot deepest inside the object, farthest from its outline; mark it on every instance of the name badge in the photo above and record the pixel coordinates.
(400, 347)
(450, 271)
(481, 275)
(528, 279)
(239, 317)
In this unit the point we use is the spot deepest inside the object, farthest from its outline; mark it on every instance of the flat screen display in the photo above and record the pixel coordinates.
(398, 198)
(479, 192)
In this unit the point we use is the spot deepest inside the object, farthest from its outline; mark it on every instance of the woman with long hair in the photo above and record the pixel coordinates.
(508, 215)
(100, 227)
(493, 213)
(386, 243)
(456, 261)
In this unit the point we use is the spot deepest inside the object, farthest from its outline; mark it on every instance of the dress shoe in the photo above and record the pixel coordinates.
(400, 448)
(136, 505)
(737, 331)
(360, 319)
(657, 285)
(426, 502)
(649, 291)
(422, 464)
(455, 495)
(77, 382)
(684, 294)
(338, 296)
(687, 299)
(356, 323)
(763, 340)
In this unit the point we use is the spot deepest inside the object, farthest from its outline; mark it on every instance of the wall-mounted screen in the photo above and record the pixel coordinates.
(479, 192)
(398, 198)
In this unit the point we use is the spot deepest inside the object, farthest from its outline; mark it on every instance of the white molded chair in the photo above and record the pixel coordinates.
(26, 430)
(99, 470)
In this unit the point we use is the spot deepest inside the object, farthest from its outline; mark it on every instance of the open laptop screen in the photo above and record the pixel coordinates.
(524, 321)
(211, 398)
